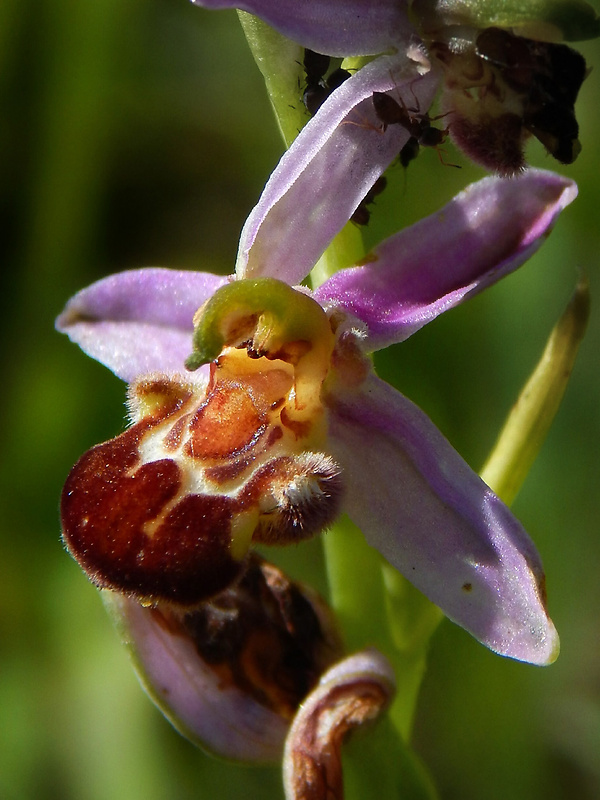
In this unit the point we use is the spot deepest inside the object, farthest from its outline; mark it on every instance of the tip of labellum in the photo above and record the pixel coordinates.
(134, 528)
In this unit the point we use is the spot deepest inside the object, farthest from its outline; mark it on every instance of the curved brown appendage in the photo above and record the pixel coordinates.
(122, 523)
(298, 496)
(352, 693)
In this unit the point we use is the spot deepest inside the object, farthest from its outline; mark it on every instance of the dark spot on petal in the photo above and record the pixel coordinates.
(494, 142)
(275, 435)
(173, 439)
(300, 429)
(541, 585)
(225, 473)
(540, 581)
(467, 587)
(292, 352)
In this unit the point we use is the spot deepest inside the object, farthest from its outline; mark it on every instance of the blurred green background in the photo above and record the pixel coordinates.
(139, 134)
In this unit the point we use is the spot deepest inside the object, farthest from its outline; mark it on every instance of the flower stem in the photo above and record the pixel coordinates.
(374, 605)
(344, 251)
(377, 607)
(380, 758)
(280, 63)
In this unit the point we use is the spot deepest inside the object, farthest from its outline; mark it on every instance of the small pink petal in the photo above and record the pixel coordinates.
(327, 171)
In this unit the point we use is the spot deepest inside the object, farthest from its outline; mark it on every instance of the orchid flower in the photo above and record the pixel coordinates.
(284, 424)
(504, 73)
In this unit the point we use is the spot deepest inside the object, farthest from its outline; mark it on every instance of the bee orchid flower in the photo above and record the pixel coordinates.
(257, 416)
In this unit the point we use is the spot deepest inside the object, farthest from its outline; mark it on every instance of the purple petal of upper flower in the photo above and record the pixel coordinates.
(484, 233)
(138, 321)
(335, 27)
(325, 174)
(434, 519)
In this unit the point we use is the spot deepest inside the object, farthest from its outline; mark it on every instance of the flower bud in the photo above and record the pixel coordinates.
(500, 89)
(353, 693)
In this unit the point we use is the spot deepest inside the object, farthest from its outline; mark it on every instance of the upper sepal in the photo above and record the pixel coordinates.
(330, 167)
(350, 28)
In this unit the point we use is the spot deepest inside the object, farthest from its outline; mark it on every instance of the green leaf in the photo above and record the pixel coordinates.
(530, 419)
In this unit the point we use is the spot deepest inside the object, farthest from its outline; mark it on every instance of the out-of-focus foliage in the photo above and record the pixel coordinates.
(139, 133)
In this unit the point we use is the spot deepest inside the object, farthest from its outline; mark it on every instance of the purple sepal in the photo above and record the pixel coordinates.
(351, 28)
(219, 718)
(327, 171)
(139, 321)
(419, 503)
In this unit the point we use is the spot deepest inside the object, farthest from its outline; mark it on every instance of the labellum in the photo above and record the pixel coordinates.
(167, 510)
(501, 88)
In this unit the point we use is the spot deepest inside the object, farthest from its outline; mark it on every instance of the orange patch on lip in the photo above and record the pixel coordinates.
(226, 424)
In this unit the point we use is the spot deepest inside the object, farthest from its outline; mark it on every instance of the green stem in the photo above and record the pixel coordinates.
(356, 590)
(379, 763)
(412, 620)
(344, 251)
(280, 63)
(374, 605)
(366, 594)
